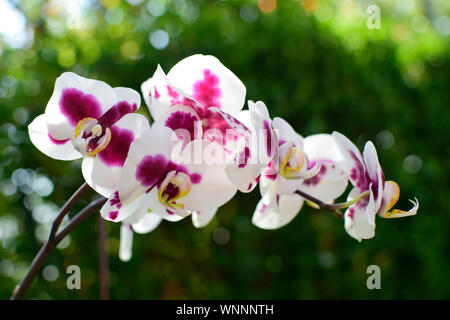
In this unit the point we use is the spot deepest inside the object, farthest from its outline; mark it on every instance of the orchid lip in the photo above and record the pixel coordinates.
(176, 185)
(292, 162)
(90, 137)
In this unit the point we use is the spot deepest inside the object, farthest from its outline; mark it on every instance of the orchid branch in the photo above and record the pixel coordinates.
(333, 207)
(65, 209)
(20, 291)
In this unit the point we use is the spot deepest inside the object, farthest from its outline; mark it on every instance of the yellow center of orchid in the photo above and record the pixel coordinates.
(291, 162)
(175, 186)
(90, 138)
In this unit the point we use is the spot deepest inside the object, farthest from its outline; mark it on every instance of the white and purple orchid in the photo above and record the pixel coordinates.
(197, 98)
(161, 175)
(311, 165)
(200, 150)
(87, 118)
(367, 177)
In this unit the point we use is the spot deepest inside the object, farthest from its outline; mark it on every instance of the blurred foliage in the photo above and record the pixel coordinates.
(315, 63)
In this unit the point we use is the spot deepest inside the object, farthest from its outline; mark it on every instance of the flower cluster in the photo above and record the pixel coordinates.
(201, 148)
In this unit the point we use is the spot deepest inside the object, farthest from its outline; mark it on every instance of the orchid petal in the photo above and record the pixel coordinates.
(147, 223)
(213, 188)
(374, 171)
(328, 184)
(353, 162)
(160, 95)
(270, 188)
(209, 82)
(201, 218)
(56, 149)
(265, 139)
(157, 142)
(285, 132)
(117, 209)
(360, 217)
(268, 219)
(74, 98)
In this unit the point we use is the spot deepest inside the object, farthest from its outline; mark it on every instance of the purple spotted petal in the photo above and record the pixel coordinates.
(116, 113)
(117, 150)
(55, 141)
(207, 91)
(182, 120)
(76, 105)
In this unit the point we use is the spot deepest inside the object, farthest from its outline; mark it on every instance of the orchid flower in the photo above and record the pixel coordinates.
(327, 184)
(198, 97)
(283, 167)
(171, 181)
(87, 118)
(367, 178)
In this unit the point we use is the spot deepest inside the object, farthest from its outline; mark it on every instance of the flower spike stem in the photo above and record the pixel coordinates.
(65, 209)
(334, 208)
(20, 291)
(103, 259)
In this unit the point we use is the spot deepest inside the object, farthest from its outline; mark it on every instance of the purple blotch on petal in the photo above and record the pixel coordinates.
(116, 113)
(116, 152)
(76, 105)
(196, 178)
(182, 120)
(152, 169)
(207, 91)
(268, 133)
(55, 141)
(113, 215)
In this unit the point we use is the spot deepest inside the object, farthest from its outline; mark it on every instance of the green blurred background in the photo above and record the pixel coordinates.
(315, 63)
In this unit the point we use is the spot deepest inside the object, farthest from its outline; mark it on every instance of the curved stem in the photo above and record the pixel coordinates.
(47, 248)
(334, 208)
(65, 209)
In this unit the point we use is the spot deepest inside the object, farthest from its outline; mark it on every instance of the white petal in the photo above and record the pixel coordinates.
(375, 172)
(360, 219)
(101, 92)
(264, 136)
(201, 218)
(265, 218)
(270, 188)
(41, 138)
(127, 94)
(328, 184)
(245, 179)
(117, 209)
(322, 147)
(147, 223)
(214, 189)
(101, 178)
(209, 82)
(160, 95)
(353, 162)
(356, 224)
(286, 132)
